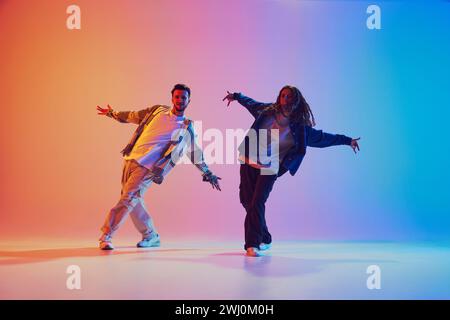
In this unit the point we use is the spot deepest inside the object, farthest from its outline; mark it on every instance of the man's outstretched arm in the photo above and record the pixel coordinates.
(196, 157)
(124, 116)
(207, 174)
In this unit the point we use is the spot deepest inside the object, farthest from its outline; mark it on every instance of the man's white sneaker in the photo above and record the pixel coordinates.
(105, 242)
(149, 242)
(106, 245)
(265, 246)
(252, 252)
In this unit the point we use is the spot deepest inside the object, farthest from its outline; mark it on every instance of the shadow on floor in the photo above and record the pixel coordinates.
(45, 255)
(268, 265)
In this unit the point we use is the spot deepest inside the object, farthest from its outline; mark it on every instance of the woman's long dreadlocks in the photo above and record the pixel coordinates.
(301, 112)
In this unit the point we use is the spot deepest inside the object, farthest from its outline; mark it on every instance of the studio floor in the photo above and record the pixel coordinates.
(220, 270)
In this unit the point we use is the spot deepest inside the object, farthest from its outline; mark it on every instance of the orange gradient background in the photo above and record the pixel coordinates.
(61, 164)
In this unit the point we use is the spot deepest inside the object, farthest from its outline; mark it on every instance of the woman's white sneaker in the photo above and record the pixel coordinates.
(252, 252)
(265, 246)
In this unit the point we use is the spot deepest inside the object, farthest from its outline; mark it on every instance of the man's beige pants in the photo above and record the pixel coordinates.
(135, 181)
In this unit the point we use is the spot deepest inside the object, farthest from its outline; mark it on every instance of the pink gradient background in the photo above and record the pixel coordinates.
(61, 164)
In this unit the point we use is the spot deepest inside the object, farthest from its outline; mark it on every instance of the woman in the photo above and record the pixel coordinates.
(288, 124)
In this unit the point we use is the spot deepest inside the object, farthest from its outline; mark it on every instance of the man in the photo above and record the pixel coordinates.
(162, 137)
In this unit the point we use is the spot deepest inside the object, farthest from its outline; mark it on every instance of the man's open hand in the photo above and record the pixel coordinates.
(214, 180)
(104, 112)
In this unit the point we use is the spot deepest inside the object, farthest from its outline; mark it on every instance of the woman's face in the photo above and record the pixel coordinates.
(286, 97)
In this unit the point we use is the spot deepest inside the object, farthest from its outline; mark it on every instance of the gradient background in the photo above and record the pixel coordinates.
(60, 167)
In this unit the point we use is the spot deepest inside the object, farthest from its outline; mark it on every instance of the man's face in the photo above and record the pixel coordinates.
(286, 97)
(180, 100)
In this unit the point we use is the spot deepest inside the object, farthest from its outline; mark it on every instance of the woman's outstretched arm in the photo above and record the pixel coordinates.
(254, 107)
(320, 139)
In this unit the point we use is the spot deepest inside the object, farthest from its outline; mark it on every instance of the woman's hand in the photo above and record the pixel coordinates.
(354, 144)
(229, 97)
(104, 112)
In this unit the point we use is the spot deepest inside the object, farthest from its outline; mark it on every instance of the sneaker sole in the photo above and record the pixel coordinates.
(107, 249)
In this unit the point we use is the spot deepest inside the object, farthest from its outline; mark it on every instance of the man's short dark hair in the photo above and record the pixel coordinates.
(180, 86)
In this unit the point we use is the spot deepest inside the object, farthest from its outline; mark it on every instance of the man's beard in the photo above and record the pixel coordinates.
(180, 108)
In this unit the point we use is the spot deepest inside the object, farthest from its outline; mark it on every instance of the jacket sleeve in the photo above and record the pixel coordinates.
(196, 153)
(320, 139)
(130, 116)
(254, 107)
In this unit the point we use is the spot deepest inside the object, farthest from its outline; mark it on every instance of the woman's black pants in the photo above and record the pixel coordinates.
(254, 190)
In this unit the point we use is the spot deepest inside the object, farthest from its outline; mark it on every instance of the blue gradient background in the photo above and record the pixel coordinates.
(391, 87)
